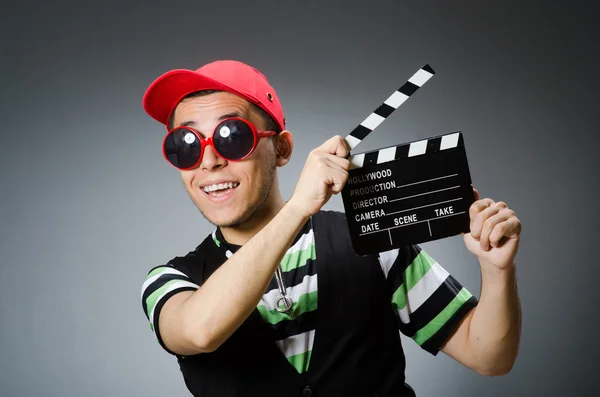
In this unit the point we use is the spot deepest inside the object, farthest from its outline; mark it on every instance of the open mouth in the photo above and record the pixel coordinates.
(219, 189)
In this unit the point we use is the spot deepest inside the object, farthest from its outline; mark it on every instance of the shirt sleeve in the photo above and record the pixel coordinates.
(428, 302)
(161, 283)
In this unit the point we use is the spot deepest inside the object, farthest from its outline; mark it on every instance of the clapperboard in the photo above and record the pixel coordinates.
(407, 194)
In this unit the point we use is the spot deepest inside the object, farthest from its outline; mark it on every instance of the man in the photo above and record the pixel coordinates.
(275, 302)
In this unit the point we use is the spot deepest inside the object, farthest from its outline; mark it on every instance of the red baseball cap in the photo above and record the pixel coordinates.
(236, 77)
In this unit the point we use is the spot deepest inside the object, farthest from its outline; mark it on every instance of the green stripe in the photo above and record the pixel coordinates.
(417, 269)
(151, 300)
(300, 361)
(413, 273)
(215, 240)
(298, 258)
(156, 271)
(306, 303)
(399, 298)
(438, 322)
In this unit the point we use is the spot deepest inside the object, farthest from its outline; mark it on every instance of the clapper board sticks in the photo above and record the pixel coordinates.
(407, 194)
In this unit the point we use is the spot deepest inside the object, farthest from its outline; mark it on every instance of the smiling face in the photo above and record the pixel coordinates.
(228, 193)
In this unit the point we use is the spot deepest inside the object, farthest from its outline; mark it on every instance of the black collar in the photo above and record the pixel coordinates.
(226, 246)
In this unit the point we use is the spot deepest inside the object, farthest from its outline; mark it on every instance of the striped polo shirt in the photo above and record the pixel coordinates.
(423, 295)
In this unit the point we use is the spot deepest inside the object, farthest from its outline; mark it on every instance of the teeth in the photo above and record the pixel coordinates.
(220, 186)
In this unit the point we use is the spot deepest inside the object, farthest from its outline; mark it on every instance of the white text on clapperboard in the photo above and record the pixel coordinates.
(382, 187)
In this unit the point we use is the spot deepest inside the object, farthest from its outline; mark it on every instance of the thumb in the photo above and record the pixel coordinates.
(472, 244)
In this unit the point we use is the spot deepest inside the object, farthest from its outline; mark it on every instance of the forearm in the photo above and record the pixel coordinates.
(233, 291)
(495, 326)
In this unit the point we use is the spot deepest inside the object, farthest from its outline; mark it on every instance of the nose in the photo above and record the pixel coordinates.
(211, 161)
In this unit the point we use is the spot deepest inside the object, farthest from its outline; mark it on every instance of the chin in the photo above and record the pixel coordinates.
(224, 222)
(226, 217)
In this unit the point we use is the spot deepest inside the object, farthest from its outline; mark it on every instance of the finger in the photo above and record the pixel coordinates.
(476, 193)
(337, 164)
(336, 146)
(490, 224)
(332, 173)
(509, 228)
(342, 162)
(477, 207)
(501, 204)
(338, 180)
(479, 219)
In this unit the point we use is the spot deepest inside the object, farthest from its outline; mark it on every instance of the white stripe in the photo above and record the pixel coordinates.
(387, 259)
(357, 161)
(449, 141)
(372, 121)
(423, 290)
(420, 77)
(352, 141)
(396, 99)
(168, 270)
(386, 154)
(403, 313)
(303, 243)
(417, 148)
(297, 344)
(174, 286)
(308, 285)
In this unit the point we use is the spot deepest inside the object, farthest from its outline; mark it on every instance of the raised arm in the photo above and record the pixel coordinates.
(487, 340)
(193, 322)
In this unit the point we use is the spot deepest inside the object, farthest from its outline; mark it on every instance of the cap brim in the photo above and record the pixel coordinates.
(166, 91)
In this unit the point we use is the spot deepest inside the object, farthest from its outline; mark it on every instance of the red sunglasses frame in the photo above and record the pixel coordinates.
(204, 142)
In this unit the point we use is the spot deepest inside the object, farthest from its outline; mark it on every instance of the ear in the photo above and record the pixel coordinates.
(284, 147)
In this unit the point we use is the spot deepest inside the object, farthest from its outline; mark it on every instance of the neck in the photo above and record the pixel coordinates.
(239, 235)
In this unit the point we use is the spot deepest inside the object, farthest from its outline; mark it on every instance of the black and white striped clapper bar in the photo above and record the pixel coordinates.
(407, 194)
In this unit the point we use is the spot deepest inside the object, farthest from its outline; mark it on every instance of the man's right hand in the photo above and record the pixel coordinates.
(325, 173)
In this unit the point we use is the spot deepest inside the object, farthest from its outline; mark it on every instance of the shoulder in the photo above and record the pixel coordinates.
(181, 273)
(189, 265)
(331, 227)
(330, 219)
(331, 214)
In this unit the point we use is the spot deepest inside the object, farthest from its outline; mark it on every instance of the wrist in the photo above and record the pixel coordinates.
(294, 213)
(296, 210)
(496, 275)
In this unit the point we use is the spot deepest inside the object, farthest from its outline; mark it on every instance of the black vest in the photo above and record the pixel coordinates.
(357, 349)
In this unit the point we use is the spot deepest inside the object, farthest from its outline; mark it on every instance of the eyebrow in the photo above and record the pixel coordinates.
(192, 123)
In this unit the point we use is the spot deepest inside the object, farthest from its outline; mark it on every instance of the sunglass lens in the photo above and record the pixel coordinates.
(233, 139)
(182, 148)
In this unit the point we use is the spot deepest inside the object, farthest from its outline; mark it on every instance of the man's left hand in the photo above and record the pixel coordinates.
(495, 231)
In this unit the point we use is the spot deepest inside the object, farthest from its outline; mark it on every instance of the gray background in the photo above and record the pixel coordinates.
(88, 204)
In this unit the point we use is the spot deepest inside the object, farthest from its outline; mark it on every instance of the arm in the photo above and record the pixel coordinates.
(200, 321)
(487, 340)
